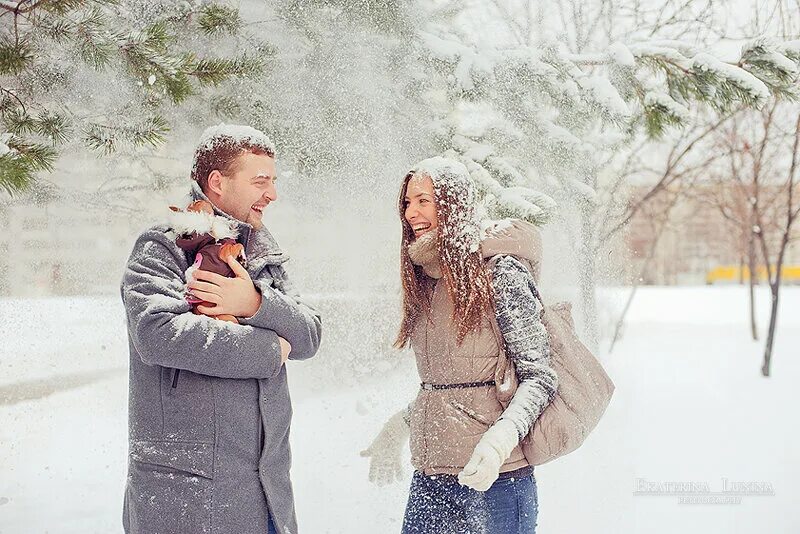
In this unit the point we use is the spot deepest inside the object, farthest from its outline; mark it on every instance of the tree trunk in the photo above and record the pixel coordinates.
(741, 270)
(751, 261)
(773, 321)
(775, 287)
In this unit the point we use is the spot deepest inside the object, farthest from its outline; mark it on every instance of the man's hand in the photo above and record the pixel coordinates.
(233, 296)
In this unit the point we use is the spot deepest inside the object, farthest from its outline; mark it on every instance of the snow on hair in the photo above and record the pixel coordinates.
(452, 184)
(234, 134)
(220, 146)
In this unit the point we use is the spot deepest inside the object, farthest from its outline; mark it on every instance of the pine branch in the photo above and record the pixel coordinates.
(15, 175)
(213, 71)
(106, 138)
(59, 30)
(485, 183)
(778, 70)
(101, 138)
(19, 122)
(499, 184)
(218, 19)
(62, 7)
(178, 86)
(152, 132)
(93, 46)
(154, 37)
(10, 100)
(14, 57)
(522, 203)
(38, 157)
(765, 70)
(790, 49)
(147, 52)
(54, 126)
(662, 112)
(20, 160)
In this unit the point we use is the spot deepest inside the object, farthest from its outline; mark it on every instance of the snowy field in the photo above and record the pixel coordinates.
(691, 407)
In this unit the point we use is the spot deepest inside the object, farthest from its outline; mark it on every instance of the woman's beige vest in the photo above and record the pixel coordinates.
(447, 424)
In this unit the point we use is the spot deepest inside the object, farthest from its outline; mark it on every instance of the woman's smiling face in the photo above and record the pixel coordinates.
(420, 205)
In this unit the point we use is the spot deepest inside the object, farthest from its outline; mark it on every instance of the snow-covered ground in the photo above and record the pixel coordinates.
(690, 407)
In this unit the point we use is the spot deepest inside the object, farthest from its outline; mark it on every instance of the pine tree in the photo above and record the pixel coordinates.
(576, 114)
(146, 50)
(556, 117)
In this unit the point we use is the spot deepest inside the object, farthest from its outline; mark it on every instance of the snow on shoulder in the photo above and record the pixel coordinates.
(198, 222)
(236, 134)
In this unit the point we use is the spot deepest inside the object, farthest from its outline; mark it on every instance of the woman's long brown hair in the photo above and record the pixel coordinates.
(463, 270)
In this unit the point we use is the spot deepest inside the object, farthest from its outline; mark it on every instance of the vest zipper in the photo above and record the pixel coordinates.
(427, 396)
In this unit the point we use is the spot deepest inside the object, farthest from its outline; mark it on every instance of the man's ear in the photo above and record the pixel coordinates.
(215, 182)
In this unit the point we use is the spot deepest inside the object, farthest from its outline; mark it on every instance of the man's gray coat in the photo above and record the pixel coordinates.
(209, 406)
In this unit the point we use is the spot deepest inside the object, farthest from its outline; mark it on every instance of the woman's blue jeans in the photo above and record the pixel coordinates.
(438, 504)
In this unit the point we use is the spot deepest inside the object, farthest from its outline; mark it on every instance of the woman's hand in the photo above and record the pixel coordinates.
(386, 450)
(490, 453)
(232, 296)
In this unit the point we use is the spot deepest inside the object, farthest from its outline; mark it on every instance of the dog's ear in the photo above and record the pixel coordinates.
(201, 206)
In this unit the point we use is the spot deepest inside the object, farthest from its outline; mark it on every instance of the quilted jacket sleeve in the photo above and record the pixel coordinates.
(526, 340)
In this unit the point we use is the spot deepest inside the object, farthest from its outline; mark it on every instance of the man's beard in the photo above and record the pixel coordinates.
(254, 219)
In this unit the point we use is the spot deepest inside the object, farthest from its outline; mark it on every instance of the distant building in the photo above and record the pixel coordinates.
(697, 237)
(67, 249)
(60, 250)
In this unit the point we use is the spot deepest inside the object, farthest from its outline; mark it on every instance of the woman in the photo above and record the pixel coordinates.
(467, 296)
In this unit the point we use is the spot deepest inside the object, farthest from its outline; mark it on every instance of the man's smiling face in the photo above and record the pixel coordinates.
(247, 190)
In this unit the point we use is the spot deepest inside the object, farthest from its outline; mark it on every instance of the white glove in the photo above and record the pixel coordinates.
(385, 451)
(490, 453)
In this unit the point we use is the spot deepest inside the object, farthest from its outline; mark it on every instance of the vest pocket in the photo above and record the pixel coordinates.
(470, 414)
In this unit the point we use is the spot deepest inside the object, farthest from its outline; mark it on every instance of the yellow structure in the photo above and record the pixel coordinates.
(790, 274)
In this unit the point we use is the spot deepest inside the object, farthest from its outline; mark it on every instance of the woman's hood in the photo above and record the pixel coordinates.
(516, 238)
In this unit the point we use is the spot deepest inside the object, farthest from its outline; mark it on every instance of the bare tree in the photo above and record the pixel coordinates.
(777, 18)
(732, 195)
(756, 192)
(777, 252)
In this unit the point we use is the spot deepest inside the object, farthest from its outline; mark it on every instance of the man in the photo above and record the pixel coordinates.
(209, 407)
